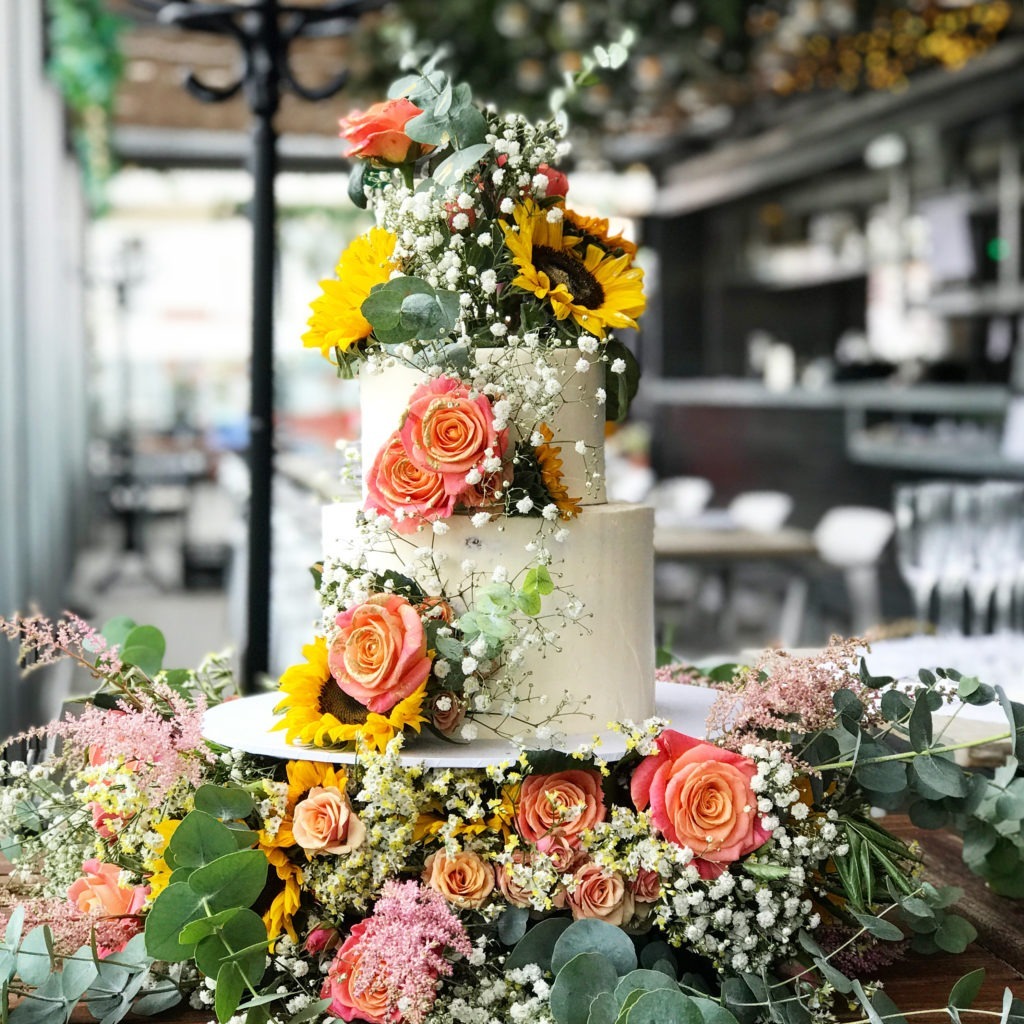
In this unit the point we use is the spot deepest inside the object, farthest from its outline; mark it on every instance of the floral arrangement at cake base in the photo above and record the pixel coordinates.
(738, 877)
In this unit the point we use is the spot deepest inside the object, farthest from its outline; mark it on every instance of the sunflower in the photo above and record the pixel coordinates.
(160, 872)
(594, 231)
(598, 290)
(319, 713)
(337, 320)
(285, 905)
(550, 466)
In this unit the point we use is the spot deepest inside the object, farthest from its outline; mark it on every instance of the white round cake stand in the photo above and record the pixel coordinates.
(246, 724)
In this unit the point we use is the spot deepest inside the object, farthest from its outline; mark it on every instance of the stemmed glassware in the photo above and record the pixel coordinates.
(960, 540)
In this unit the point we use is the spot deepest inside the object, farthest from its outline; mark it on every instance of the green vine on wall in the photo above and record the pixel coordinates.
(87, 64)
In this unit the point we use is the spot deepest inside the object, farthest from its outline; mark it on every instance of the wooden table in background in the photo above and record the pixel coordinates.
(917, 982)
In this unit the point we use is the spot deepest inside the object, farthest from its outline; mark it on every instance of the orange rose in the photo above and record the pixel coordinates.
(404, 491)
(100, 891)
(324, 822)
(599, 893)
(355, 991)
(564, 803)
(378, 134)
(700, 798)
(448, 432)
(464, 880)
(380, 653)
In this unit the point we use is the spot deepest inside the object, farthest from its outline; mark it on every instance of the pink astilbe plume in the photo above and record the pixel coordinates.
(787, 694)
(402, 949)
(42, 642)
(71, 928)
(162, 742)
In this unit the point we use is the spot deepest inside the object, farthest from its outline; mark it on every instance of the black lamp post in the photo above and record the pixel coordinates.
(264, 31)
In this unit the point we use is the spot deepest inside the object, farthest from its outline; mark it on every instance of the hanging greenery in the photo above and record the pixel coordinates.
(87, 64)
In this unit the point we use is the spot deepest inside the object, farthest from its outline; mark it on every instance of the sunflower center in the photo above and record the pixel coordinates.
(563, 268)
(335, 701)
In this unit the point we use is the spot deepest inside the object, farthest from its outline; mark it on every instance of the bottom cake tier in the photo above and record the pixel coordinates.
(598, 663)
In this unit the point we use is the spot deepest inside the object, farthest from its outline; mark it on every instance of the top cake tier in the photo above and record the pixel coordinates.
(556, 388)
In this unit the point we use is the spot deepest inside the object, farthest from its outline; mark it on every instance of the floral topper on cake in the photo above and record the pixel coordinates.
(475, 245)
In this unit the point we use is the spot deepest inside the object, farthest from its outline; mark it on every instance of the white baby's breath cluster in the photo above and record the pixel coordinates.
(746, 920)
(519, 996)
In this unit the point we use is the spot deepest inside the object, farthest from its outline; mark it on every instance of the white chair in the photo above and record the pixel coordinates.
(852, 538)
(760, 511)
(679, 499)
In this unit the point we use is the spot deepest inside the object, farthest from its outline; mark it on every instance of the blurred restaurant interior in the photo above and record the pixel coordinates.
(827, 196)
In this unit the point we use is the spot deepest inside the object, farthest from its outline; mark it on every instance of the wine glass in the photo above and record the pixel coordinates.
(923, 515)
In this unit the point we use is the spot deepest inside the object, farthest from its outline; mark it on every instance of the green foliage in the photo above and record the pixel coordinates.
(407, 309)
(621, 387)
(204, 915)
(87, 64)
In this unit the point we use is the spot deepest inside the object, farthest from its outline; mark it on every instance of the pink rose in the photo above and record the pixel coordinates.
(321, 938)
(324, 822)
(558, 183)
(396, 484)
(646, 887)
(379, 656)
(447, 712)
(100, 891)
(353, 988)
(564, 804)
(599, 893)
(379, 133)
(564, 856)
(516, 894)
(448, 432)
(700, 798)
(106, 823)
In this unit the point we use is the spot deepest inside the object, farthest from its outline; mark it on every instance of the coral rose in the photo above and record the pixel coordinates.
(464, 880)
(646, 887)
(321, 939)
(378, 134)
(100, 891)
(599, 893)
(353, 988)
(700, 797)
(380, 653)
(447, 431)
(324, 822)
(406, 492)
(563, 803)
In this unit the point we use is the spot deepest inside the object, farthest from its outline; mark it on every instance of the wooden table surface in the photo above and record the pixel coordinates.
(697, 544)
(917, 982)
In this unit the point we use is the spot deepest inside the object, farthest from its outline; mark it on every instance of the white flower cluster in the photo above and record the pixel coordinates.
(518, 997)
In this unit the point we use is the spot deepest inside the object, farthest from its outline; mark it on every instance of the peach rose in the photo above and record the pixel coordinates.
(448, 432)
(100, 891)
(379, 656)
(395, 484)
(599, 893)
(564, 856)
(324, 822)
(564, 803)
(436, 608)
(513, 892)
(646, 887)
(447, 712)
(351, 998)
(700, 797)
(465, 880)
(378, 134)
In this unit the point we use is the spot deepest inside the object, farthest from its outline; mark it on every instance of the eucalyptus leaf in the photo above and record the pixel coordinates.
(940, 774)
(591, 935)
(235, 880)
(879, 927)
(228, 994)
(455, 167)
(577, 983)
(162, 996)
(35, 959)
(920, 725)
(512, 925)
(965, 991)
(954, 934)
(664, 1007)
(116, 630)
(78, 972)
(839, 981)
(309, 1011)
(242, 940)
(15, 924)
(230, 802)
(200, 839)
(882, 777)
(174, 908)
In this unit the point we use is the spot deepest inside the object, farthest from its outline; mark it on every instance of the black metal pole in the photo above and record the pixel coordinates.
(264, 97)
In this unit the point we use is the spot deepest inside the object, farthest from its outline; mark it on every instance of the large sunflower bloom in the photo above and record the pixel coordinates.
(337, 320)
(596, 289)
(317, 712)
